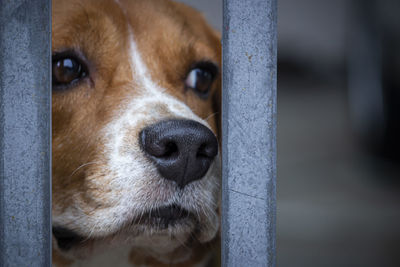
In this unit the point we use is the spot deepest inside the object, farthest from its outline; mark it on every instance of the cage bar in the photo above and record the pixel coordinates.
(249, 132)
(25, 133)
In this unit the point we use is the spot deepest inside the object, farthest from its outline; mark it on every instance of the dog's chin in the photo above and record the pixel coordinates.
(160, 230)
(162, 218)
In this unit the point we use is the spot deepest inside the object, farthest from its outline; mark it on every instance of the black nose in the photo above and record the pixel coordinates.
(182, 150)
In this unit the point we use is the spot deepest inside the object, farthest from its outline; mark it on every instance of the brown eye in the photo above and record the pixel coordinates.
(67, 70)
(201, 77)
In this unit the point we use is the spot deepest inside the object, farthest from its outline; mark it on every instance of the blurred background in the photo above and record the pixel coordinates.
(338, 182)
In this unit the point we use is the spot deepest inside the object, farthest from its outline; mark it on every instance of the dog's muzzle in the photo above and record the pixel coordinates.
(182, 150)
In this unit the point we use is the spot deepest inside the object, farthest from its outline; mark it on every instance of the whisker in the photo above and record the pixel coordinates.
(83, 165)
(210, 116)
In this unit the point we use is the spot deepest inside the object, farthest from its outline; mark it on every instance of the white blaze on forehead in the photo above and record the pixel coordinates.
(142, 76)
(139, 69)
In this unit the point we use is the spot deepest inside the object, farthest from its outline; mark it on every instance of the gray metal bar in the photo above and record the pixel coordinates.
(25, 132)
(248, 131)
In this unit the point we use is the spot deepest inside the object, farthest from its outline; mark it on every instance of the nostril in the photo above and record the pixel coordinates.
(201, 151)
(206, 150)
(170, 151)
(158, 147)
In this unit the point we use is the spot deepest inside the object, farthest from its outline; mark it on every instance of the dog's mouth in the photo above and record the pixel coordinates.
(163, 217)
(156, 219)
(67, 238)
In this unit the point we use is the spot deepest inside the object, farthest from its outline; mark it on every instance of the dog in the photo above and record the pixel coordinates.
(136, 91)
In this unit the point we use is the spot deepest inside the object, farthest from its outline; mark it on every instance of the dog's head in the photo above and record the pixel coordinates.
(136, 88)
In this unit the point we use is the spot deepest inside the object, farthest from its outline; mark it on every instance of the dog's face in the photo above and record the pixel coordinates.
(136, 88)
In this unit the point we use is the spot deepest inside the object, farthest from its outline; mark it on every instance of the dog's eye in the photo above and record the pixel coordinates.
(201, 77)
(67, 70)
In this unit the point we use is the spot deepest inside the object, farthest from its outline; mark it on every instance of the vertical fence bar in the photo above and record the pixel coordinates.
(25, 132)
(249, 127)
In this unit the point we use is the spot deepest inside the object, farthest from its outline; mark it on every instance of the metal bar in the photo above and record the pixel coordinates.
(249, 133)
(25, 132)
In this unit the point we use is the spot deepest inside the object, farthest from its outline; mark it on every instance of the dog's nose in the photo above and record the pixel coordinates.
(182, 150)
